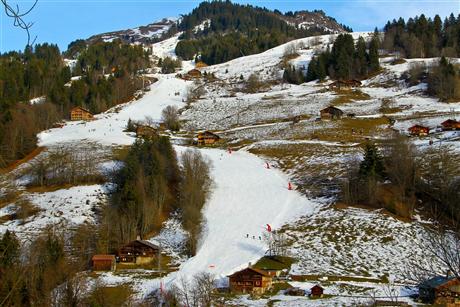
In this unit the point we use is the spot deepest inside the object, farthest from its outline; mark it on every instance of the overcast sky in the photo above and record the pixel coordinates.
(62, 21)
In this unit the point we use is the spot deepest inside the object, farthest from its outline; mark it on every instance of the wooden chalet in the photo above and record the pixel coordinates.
(200, 64)
(316, 291)
(440, 290)
(344, 84)
(138, 252)
(103, 263)
(79, 113)
(450, 124)
(207, 138)
(331, 113)
(418, 130)
(194, 74)
(144, 131)
(250, 280)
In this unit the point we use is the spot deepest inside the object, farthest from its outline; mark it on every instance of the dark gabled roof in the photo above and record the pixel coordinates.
(142, 242)
(260, 272)
(331, 109)
(81, 108)
(449, 122)
(418, 127)
(317, 287)
(435, 282)
(194, 71)
(148, 243)
(210, 134)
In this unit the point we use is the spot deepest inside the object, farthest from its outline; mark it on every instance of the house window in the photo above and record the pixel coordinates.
(257, 283)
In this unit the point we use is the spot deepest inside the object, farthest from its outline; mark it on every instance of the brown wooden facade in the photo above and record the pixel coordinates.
(250, 280)
(194, 73)
(103, 263)
(331, 113)
(316, 291)
(418, 130)
(144, 131)
(207, 138)
(79, 113)
(138, 252)
(200, 64)
(450, 124)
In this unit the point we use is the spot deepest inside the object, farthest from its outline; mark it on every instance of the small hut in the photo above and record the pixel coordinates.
(450, 124)
(138, 252)
(419, 130)
(345, 84)
(316, 291)
(79, 113)
(250, 280)
(103, 263)
(144, 131)
(207, 138)
(194, 74)
(200, 64)
(331, 113)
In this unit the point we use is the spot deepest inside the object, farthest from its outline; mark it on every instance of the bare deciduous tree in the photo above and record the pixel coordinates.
(442, 255)
(195, 292)
(277, 243)
(170, 117)
(194, 190)
(17, 15)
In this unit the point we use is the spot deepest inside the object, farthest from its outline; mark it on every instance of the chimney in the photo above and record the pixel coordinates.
(138, 237)
(249, 265)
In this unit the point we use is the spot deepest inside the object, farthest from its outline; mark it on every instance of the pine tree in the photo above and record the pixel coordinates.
(374, 46)
(361, 57)
(9, 249)
(372, 165)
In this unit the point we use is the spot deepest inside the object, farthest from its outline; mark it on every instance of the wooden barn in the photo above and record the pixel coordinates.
(250, 280)
(418, 130)
(200, 64)
(331, 113)
(207, 138)
(103, 263)
(138, 252)
(440, 290)
(194, 74)
(344, 84)
(450, 124)
(316, 291)
(79, 113)
(144, 131)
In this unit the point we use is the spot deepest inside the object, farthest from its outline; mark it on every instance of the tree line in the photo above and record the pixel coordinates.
(107, 77)
(233, 31)
(396, 176)
(444, 81)
(151, 185)
(422, 37)
(345, 61)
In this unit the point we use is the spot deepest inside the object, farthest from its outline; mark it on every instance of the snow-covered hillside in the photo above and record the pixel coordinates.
(246, 196)
(142, 34)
